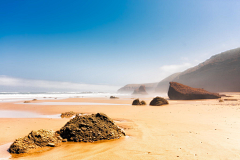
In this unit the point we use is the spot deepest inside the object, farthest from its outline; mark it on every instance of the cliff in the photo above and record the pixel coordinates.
(220, 73)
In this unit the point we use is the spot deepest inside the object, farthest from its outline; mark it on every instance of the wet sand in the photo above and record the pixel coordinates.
(197, 129)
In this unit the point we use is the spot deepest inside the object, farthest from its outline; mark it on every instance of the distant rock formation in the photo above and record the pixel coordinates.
(129, 88)
(179, 91)
(141, 90)
(89, 128)
(158, 101)
(34, 140)
(220, 73)
(138, 102)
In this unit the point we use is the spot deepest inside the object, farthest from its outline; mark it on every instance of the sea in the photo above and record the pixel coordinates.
(23, 96)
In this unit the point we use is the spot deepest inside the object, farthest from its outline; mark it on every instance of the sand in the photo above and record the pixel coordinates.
(196, 129)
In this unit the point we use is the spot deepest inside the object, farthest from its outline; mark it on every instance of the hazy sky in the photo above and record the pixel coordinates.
(112, 42)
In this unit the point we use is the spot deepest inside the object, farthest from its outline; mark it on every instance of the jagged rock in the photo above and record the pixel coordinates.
(68, 114)
(137, 102)
(141, 90)
(179, 91)
(89, 128)
(158, 101)
(35, 139)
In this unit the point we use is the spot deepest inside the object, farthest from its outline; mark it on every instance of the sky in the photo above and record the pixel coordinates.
(103, 45)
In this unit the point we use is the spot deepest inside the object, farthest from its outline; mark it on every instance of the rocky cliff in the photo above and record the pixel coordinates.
(220, 73)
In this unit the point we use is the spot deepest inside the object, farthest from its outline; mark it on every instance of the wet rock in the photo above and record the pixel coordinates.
(113, 97)
(26, 102)
(68, 114)
(138, 102)
(141, 90)
(179, 91)
(158, 101)
(35, 139)
(89, 128)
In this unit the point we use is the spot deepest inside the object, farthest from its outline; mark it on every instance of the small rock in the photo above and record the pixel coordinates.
(51, 144)
(64, 140)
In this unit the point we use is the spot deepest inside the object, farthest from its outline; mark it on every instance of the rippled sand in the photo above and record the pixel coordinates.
(199, 129)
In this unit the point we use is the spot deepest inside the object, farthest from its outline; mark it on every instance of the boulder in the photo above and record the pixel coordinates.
(35, 139)
(141, 90)
(179, 91)
(89, 128)
(158, 101)
(138, 102)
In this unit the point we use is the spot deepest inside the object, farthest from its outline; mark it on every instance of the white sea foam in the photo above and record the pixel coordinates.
(15, 96)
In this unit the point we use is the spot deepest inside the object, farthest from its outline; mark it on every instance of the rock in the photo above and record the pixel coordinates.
(64, 140)
(158, 101)
(113, 97)
(51, 144)
(179, 91)
(89, 128)
(141, 90)
(137, 102)
(35, 139)
(143, 103)
(68, 114)
(26, 102)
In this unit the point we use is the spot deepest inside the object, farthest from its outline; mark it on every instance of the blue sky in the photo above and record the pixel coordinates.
(112, 42)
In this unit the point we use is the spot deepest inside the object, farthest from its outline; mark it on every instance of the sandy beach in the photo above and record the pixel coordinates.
(195, 129)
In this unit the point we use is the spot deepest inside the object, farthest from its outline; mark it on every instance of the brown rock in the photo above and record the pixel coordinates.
(35, 139)
(158, 101)
(138, 102)
(179, 91)
(113, 97)
(68, 114)
(89, 128)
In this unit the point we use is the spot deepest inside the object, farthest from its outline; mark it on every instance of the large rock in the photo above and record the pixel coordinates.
(35, 139)
(179, 91)
(158, 101)
(141, 90)
(89, 128)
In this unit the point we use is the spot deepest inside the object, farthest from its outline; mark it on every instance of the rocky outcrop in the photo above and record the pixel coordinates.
(138, 102)
(179, 91)
(129, 88)
(141, 90)
(34, 140)
(220, 73)
(158, 101)
(89, 128)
